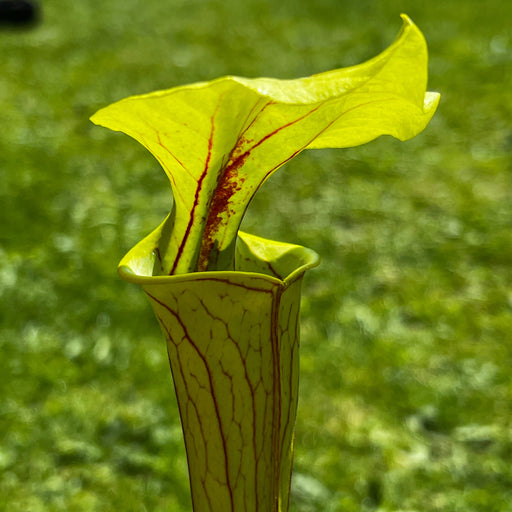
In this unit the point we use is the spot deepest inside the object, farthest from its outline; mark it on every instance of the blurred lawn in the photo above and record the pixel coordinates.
(406, 392)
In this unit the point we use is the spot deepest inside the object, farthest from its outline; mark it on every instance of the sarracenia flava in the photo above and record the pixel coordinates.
(228, 302)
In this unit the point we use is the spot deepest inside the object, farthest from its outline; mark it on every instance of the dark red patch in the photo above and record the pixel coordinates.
(229, 183)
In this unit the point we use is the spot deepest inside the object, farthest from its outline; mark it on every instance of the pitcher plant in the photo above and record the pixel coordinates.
(228, 302)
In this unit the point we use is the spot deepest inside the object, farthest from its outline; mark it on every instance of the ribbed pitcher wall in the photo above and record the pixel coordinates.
(233, 345)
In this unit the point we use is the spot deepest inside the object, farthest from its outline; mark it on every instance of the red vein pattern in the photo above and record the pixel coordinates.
(192, 217)
(229, 182)
(233, 351)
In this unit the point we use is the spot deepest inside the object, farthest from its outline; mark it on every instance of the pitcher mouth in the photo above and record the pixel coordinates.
(278, 262)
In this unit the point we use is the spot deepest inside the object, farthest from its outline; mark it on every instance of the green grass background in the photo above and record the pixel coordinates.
(405, 400)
